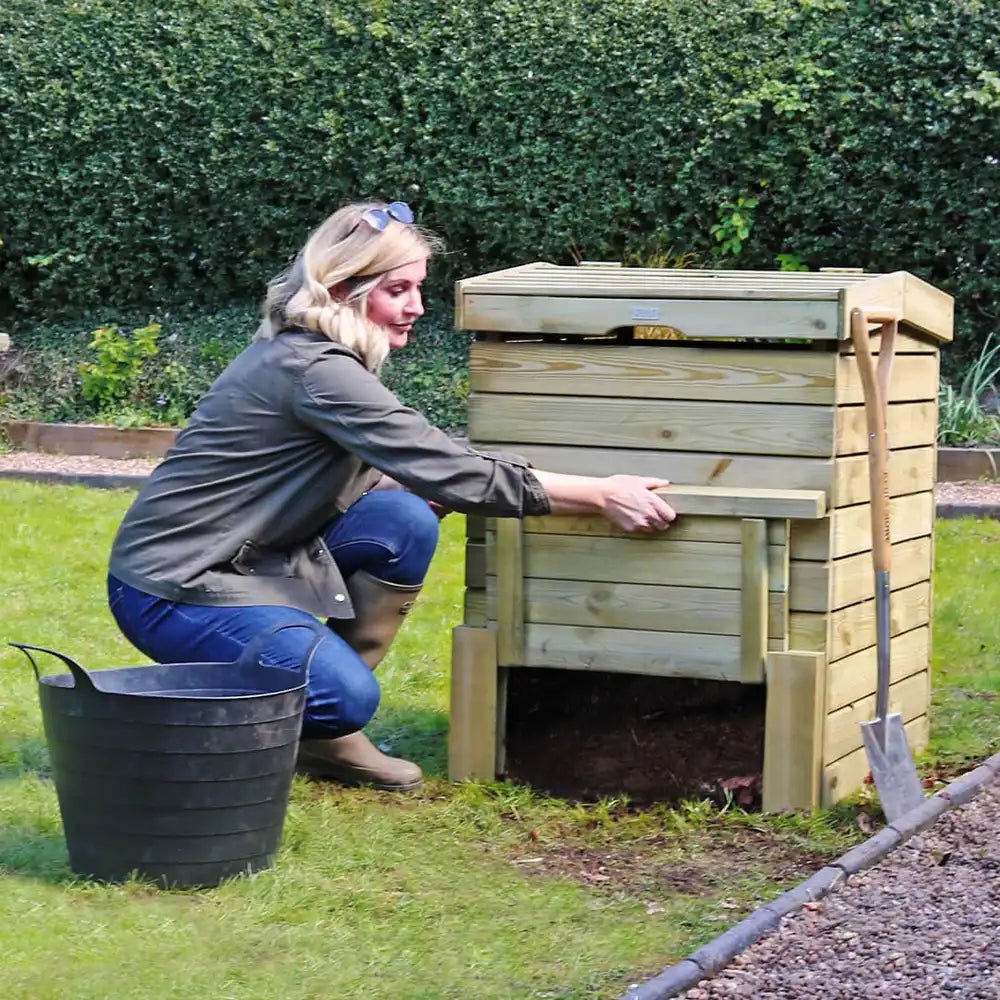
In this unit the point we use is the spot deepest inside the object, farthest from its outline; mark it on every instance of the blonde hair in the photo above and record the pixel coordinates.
(343, 249)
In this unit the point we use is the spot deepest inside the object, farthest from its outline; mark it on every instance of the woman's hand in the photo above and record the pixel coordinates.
(626, 501)
(631, 504)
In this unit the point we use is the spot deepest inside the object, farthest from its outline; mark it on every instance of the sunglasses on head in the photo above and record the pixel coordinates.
(378, 218)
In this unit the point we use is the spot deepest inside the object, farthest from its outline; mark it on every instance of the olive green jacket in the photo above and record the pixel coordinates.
(291, 434)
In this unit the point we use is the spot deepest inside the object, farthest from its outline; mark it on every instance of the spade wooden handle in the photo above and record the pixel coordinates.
(875, 382)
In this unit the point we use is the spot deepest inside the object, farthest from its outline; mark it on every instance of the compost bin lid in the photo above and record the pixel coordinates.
(594, 298)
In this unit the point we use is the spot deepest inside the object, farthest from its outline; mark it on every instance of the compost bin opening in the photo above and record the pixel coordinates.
(591, 734)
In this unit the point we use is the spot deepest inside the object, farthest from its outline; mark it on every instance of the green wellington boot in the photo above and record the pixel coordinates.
(379, 610)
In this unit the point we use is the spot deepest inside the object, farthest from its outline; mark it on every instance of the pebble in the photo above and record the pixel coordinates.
(924, 924)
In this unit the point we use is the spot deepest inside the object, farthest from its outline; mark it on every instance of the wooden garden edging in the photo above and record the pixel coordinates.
(89, 439)
(960, 464)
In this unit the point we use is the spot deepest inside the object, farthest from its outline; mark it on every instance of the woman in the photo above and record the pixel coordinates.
(302, 487)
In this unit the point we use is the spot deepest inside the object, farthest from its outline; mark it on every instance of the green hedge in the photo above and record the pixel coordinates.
(172, 155)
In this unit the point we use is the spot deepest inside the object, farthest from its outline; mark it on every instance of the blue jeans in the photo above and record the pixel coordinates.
(388, 533)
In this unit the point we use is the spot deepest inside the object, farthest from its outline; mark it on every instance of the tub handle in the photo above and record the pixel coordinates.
(81, 677)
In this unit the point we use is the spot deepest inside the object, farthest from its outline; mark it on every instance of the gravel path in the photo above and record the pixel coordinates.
(36, 461)
(924, 924)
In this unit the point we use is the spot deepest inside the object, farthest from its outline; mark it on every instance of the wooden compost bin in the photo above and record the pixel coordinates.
(742, 389)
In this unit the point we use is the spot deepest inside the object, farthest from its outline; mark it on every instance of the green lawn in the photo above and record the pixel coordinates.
(477, 890)
(965, 723)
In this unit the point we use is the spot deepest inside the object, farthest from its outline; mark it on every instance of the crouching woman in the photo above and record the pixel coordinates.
(302, 488)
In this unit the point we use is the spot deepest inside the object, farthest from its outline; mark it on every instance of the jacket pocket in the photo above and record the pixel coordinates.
(255, 560)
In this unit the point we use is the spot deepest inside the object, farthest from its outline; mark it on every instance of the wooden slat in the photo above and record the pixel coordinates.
(475, 608)
(910, 425)
(909, 697)
(602, 278)
(924, 309)
(845, 481)
(848, 529)
(706, 317)
(844, 777)
(793, 731)
(914, 377)
(689, 468)
(475, 527)
(804, 431)
(643, 559)
(503, 678)
(786, 575)
(854, 677)
(908, 341)
(753, 600)
(634, 606)
(911, 470)
(689, 528)
(665, 283)
(807, 631)
(472, 726)
(928, 309)
(762, 375)
(509, 563)
(745, 502)
(853, 628)
(677, 654)
(475, 564)
(466, 284)
(821, 587)
(686, 371)
(853, 577)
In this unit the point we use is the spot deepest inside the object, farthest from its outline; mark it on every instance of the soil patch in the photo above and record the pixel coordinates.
(655, 868)
(592, 734)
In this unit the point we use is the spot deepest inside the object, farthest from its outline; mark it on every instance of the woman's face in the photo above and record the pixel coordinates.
(395, 302)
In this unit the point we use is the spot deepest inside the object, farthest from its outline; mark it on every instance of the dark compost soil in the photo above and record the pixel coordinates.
(591, 734)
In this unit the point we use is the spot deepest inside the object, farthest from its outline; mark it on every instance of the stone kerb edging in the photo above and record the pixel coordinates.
(716, 955)
(951, 510)
(95, 480)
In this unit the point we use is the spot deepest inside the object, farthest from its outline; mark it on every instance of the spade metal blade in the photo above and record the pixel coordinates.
(891, 762)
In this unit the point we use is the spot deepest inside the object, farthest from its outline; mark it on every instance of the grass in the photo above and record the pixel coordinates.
(475, 890)
(965, 723)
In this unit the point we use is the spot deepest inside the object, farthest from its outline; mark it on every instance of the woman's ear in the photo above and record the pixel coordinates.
(340, 291)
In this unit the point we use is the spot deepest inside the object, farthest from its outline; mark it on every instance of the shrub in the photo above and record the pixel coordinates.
(158, 378)
(171, 156)
(113, 380)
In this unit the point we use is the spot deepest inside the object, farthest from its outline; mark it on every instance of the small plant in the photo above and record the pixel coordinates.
(734, 225)
(112, 380)
(659, 256)
(790, 262)
(962, 418)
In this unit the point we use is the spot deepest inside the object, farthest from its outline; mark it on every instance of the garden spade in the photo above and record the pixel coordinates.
(889, 756)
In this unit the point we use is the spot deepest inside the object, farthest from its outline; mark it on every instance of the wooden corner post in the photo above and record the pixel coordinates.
(472, 733)
(793, 730)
